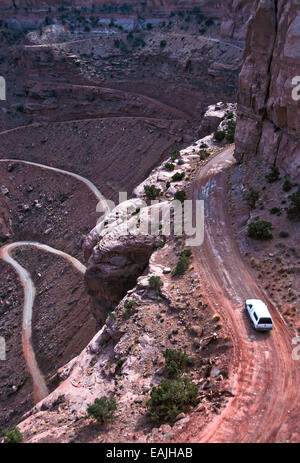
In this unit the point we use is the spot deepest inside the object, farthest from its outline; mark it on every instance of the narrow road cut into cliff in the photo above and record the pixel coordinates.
(265, 378)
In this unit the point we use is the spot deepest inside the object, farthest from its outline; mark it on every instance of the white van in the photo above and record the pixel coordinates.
(259, 314)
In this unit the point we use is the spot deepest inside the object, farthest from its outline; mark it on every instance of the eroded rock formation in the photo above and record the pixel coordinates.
(269, 117)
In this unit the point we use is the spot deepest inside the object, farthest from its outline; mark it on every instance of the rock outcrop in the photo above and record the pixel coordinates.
(269, 115)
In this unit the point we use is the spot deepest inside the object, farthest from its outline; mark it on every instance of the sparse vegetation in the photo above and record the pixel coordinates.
(183, 262)
(155, 283)
(252, 197)
(14, 436)
(219, 135)
(103, 410)
(287, 186)
(260, 230)
(230, 130)
(169, 166)
(204, 154)
(273, 175)
(171, 398)
(293, 211)
(176, 362)
(178, 176)
(175, 155)
(151, 191)
(180, 195)
(275, 210)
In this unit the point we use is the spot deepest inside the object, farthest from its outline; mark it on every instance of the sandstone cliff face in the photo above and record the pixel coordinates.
(269, 117)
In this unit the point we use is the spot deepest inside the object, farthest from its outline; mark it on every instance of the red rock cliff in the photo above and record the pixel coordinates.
(269, 115)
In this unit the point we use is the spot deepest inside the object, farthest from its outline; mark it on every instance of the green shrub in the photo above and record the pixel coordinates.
(151, 191)
(176, 362)
(293, 211)
(103, 410)
(163, 43)
(169, 166)
(130, 304)
(171, 398)
(180, 195)
(219, 135)
(178, 176)
(275, 210)
(159, 244)
(175, 155)
(168, 184)
(183, 263)
(155, 283)
(252, 197)
(204, 154)
(273, 175)
(14, 436)
(260, 230)
(230, 131)
(287, 186)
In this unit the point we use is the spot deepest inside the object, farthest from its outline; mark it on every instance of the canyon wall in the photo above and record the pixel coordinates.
(231, 14)
(268, 110)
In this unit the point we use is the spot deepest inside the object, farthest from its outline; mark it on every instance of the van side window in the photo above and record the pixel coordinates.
(255, 316)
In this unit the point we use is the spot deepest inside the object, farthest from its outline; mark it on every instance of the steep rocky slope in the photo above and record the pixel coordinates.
(269, 116)
(125, 358)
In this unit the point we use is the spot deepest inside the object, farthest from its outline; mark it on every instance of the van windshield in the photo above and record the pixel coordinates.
(265, 321)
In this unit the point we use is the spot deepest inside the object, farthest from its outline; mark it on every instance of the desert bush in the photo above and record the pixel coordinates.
(183, 263)
(178, 176)
(14, 436)
(230, 131)
(169, 166)
(130, 304)
(171, 398)
(273, 175)
(163, 43)
(260, 230)
(155, 283)
(287, 186)
(275, 210)
(151, 191)
(176, 362)
(180, 195)
(252, 197)
(204, 154)
(175, 155)
(219, 135)
(103, 410)
(293, 212)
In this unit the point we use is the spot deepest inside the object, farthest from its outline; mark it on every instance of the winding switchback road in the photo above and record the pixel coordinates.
(39, 384)
(40, 388)
(265, 378)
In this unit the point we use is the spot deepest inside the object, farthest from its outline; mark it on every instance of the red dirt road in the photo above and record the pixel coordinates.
(264, 378)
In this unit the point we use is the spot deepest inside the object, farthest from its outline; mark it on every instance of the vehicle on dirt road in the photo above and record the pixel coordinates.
(259, 315)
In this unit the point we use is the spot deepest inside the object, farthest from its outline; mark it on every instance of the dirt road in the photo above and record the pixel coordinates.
(265, 378)
(39, 384)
